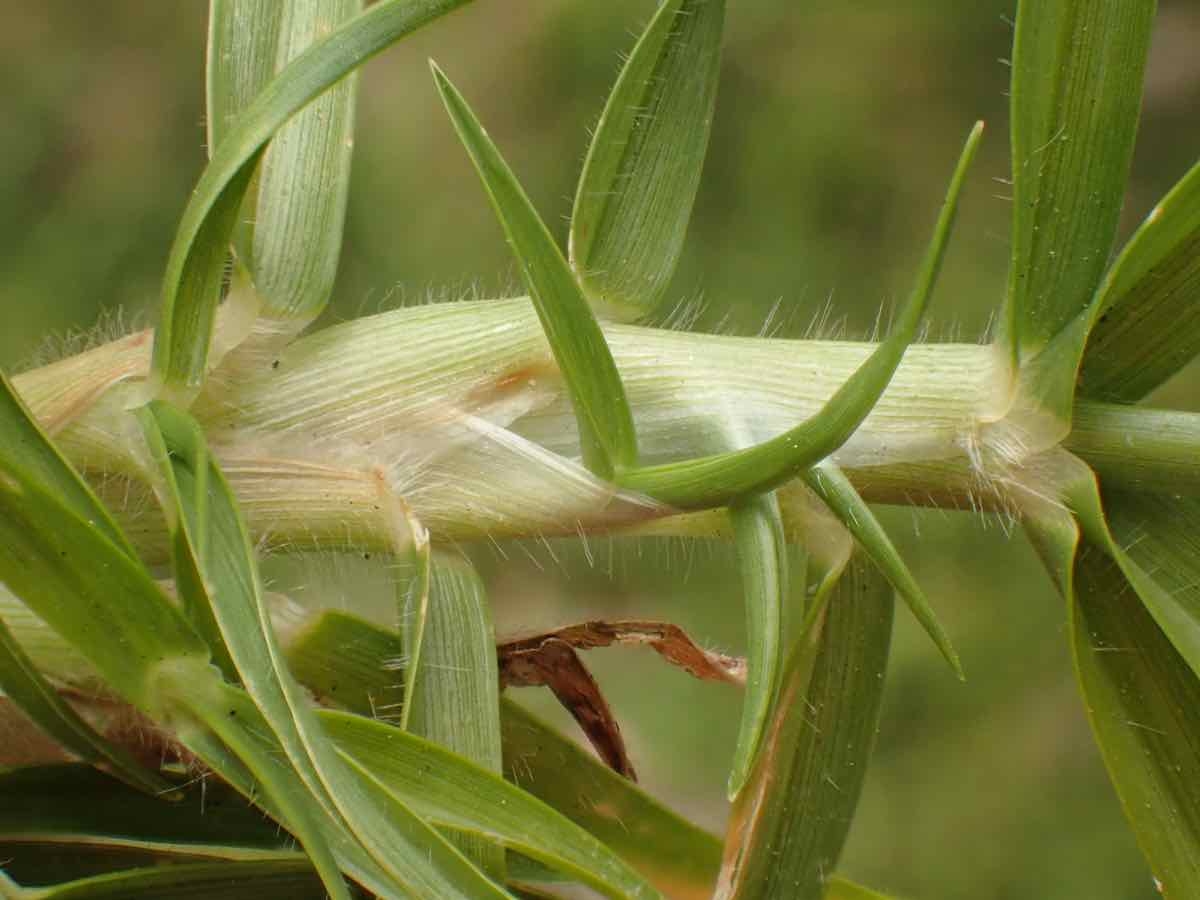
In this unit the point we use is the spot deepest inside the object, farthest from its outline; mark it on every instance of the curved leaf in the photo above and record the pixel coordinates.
(1076, 93)
(1147, 316)
(717, 480)
(414, 855)
(1141, 690)
(458, 794)
(593, 383)
(639, 181)
(191, 285)
(21, 682)
(1142, 701)
(679, 858)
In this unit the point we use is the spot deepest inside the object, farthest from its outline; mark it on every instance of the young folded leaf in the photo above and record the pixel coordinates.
(639, 181)
(788, 827)
(414, 856)
(192, 283)
(605, 423)
(456, 702)
(24, 685)
(827, 482)
(717, 480)
(1076, 94)
(763, 562)
(1147, 320)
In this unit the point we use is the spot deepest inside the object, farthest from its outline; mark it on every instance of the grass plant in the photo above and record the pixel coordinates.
(143, 481)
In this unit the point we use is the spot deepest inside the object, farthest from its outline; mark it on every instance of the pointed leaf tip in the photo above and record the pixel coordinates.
(835, 490)
(643, 167)
(609, 444)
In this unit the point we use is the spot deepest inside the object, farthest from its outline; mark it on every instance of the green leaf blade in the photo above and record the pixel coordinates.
(1147, 320)
(304, 181)
(456, 702)
(787, 829)
(413, 855)
(1142, 699)
(21, 682)
(605, 422)
(639, 181)
(1076, 94)
(762, 560)
(458, 794)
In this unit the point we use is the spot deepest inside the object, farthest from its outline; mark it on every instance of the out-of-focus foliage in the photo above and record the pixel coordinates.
(833, 123)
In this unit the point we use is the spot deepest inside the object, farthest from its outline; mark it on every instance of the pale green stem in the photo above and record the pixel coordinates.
(458, 409)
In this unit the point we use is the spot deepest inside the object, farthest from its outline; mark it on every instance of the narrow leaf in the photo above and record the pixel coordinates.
(639, 181)
(1142, 701)
(304, 180)
(192, 283)
(243, 42)
(679, 858)
(1147, 318)
(762, 561)
(593, 383)
(716, 480)
(412, 853)
(457, 699)
(1140, 689)
(257, 880)
(413, 608)
(89, 591)
(21, 682)
(288, 795)
(251, 728)
(1076, 93)
(1176, 611)
(23, 445)
(787, 829)
(78, 806)
(835, 489)
(457, 794)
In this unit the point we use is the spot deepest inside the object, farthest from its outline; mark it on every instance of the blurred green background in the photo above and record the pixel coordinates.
(837, 125)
